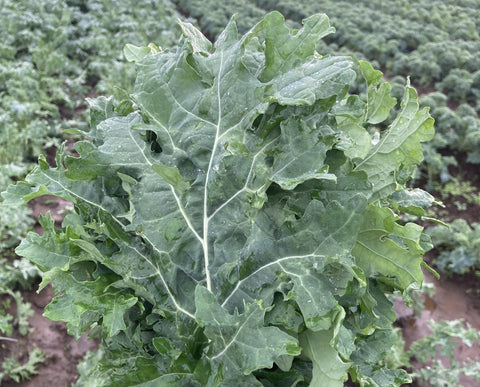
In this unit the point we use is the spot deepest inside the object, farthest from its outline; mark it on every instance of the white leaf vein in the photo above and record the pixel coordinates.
(206, 219)
(74, 194)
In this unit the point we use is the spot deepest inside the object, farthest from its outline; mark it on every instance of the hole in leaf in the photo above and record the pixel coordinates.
(269, 161)
(151, 138)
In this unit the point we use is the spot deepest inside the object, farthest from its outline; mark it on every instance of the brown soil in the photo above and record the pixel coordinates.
(465, 172)
(62, 352)
(56, 206)
(454, 298)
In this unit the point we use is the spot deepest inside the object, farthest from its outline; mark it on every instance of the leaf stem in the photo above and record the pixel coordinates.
(206, 218)
(8, 339)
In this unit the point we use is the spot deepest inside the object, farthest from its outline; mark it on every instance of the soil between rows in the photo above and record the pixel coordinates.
(62, 351)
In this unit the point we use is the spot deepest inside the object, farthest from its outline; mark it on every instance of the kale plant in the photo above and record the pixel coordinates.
(436, 353)
(459, 246)
(14, 220)
(235, 221)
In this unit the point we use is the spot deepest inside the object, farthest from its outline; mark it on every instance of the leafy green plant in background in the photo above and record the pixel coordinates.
(436, 353)
(234, 219)
(458, 245)
(23, 312)
(457, 129)
(458, 188)
(14, 221)
(33, 69)
(104, 27)
(16, 274)
(433, 358)
(54, 53)
(12, 369)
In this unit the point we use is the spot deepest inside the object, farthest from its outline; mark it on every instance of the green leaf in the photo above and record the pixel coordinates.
(283, 48)
(379, 103)
(240, 342)
(373, 349)
(328, 368)
(19, 372)
(278, 378)
(285, 314)
(40, 249)
(412, 201)
(353, 139)
(81, 303)
(135, 54)
(172, 176)
(388, 249)
(372, 76)
(399, 147)
(378, 94)
(116, 368)
(199, 43)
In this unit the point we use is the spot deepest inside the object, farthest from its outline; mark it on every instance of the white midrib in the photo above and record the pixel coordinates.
(247, 181)
(233, 340)
(177, 199)
(277, 262)
(164, 282)
(280, 260)
(206, 219)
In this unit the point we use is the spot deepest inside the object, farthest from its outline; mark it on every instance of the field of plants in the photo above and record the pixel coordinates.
(239, 193)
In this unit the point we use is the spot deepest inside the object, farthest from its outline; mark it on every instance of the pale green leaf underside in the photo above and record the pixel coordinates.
(328, 368)
(135, 54)
(399, 147)
(396, 257)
